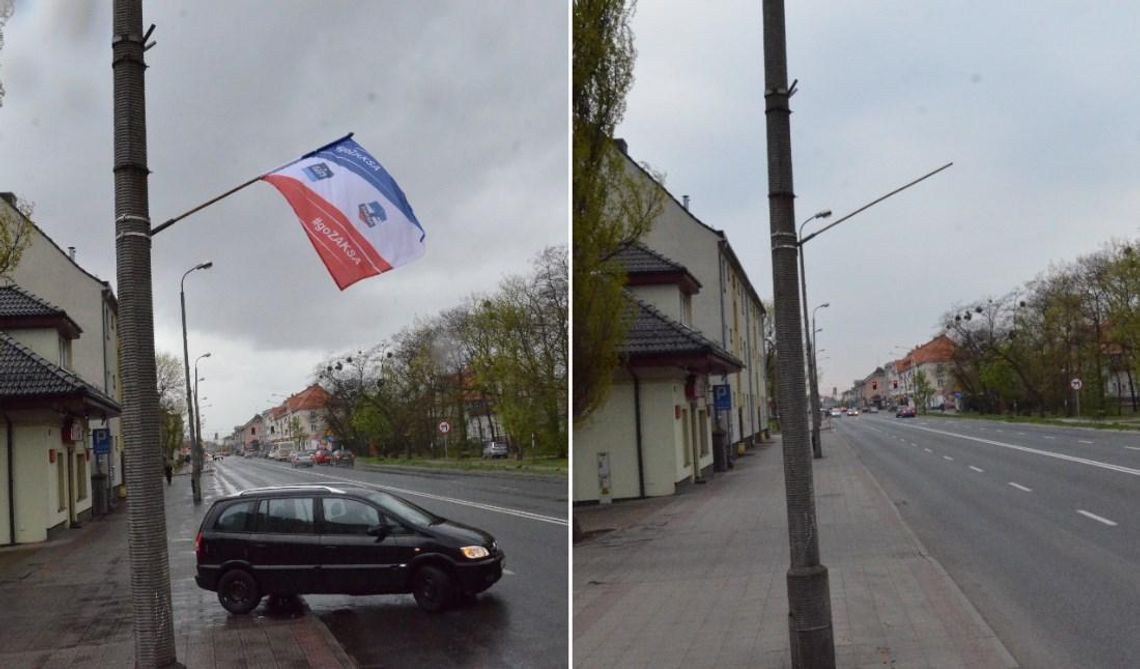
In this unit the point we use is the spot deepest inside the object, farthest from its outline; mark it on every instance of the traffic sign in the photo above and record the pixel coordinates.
(1076, 384)
(722, 397)
(101, 440)
(444, 427)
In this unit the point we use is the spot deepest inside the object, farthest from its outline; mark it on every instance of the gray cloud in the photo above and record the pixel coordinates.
(1037, 110)
(464, 103)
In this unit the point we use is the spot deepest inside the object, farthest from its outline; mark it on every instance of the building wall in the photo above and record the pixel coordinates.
(43, 342)
(45, 270)
(610, 429)
(666, 299)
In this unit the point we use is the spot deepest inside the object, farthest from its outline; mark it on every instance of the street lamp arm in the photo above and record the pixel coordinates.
(805, 240)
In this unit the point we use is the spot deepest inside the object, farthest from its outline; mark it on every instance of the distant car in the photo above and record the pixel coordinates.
(836, 411)
(342, 457)
(301, 459)
(853, 411)
(495, 450)
(274, 541)
(905, 412)
(321, 457)
(872, 409)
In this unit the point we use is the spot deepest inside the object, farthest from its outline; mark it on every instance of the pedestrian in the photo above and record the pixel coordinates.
(168, 469)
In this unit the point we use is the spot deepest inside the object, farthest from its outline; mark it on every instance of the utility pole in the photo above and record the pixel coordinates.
(146, 518)
(809, 597)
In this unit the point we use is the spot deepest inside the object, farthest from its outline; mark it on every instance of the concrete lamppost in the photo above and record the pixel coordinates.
(195, 447)
(197, 408)
(816, 448)
(815, 421)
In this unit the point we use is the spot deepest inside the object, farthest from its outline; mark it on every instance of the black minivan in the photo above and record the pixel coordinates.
(338, 539)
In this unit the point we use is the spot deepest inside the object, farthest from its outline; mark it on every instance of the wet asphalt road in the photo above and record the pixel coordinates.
(521, 621)
(1036, 524)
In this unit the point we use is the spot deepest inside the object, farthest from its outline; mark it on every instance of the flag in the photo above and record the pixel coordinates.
(356, 217)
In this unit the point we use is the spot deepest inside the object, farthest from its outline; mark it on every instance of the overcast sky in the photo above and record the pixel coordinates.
(465, 104)
(1037, 105)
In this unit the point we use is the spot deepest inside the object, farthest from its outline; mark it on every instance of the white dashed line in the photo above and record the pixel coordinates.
(947, 457)
(1083, 441)
(1133, 448)
(1020, 487)
(914, 444)
(1021, 433)
(1097, 518)
(928, 450)
(1047, 437)
(978, 469)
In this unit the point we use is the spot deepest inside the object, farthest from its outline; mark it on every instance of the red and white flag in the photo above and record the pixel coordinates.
(354, 213)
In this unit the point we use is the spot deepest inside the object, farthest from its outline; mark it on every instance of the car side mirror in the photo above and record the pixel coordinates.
(379, 531)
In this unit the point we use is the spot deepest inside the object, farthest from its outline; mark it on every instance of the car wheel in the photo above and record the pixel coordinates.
(431, 586)
(238, 591)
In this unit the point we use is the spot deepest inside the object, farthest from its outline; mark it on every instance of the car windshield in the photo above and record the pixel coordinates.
(403, 509)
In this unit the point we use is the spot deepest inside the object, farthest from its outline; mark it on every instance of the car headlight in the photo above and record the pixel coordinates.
(474, 552)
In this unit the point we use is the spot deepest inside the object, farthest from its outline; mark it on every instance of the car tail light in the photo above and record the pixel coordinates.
(199, 550)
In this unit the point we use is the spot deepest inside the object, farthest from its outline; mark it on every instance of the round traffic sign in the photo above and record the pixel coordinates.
(1076, 384)
(444, 427)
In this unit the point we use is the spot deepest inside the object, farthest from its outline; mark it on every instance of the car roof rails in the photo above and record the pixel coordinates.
(286, 488)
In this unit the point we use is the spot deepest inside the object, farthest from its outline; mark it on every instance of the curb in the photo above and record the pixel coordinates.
(1008, 660)
(401, 469)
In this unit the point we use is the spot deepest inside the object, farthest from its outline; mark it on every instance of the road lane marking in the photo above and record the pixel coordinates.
(1133, 448)
(1049, 454)
(947, 457)
(463, 502)
(913, 444)
(1084, 442)
(1020, 487)
(978, 469)
(1099, 519)
(928, 450)
(1047, 437)
(508, 572)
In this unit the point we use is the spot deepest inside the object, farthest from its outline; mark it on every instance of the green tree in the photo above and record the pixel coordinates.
(171, 403)
(613, 203)
(923, 390)
(15, 234)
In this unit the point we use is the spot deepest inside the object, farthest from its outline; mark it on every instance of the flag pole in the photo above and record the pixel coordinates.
(159, 228)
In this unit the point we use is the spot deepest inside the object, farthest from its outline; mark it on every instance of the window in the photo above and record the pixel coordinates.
(403, 509)
(81, 474)
(65, 353)
(235, 518)
(291, 515)
(348, 516)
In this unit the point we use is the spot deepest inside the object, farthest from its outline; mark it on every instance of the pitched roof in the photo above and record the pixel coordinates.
(25, 375)
(313, 397)
(21, 309)
(654, 336)
(644, 266)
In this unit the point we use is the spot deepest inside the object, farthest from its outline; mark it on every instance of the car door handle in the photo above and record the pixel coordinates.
(332, 548)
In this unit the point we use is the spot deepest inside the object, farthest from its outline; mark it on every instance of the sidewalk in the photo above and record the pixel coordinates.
(66, 603)
(698, 580)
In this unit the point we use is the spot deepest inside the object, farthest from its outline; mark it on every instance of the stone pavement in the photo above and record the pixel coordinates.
(66, 603)
(698, 579)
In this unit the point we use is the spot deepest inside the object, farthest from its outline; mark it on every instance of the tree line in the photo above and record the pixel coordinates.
(1020, 352)
(494, 368)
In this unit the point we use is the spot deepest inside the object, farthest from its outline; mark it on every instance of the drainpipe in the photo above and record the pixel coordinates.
(11, 485)
(637, 430)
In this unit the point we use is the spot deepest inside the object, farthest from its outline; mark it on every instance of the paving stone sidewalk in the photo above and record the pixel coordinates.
(66, 603)
(698, 580)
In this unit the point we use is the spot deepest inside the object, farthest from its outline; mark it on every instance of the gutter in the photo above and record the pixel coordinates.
(11, 484)
(637, 431)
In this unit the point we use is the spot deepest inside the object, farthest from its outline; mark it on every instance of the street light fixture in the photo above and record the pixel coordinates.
(817, 444)
(196, 449)
(816, 449)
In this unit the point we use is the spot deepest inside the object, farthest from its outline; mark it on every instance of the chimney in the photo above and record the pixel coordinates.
(685, 202)
(71, 253)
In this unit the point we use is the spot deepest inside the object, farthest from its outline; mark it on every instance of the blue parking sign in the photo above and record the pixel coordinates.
(722, 398)
(101, 439)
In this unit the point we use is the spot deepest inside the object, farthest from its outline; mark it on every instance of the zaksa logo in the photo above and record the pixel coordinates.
(371, 214)
(317, 171)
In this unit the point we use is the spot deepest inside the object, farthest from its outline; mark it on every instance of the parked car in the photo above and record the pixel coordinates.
(905, 411)
(495, 449)
(853, 411)
(321, 457)
(301, 459)
(872, 409)
(342, 457)
(271, 541)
